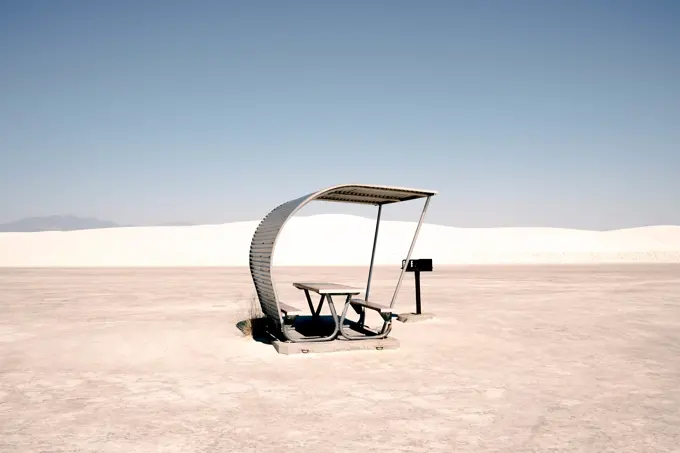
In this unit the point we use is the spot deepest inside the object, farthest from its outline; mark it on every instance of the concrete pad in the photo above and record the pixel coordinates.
(414, 317)
(338, 345)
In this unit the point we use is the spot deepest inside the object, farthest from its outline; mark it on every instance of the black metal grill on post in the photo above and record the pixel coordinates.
(417, 266)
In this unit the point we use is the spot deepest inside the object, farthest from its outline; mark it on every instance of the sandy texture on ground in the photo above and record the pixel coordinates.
(336, 240)
(519, 359)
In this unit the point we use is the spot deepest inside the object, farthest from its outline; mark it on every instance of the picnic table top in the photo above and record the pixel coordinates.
(328, 288)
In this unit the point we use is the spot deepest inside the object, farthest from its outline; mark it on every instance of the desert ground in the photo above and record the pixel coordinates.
(571, 358)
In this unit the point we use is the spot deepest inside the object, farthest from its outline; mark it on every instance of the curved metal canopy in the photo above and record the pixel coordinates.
(264, 239)
(369, 194)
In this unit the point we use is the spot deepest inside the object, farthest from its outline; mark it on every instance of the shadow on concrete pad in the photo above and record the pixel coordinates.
(304, 326)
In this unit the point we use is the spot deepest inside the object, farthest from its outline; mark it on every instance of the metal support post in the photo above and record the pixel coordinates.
(410, 250)
(375, 242)
(417, 276)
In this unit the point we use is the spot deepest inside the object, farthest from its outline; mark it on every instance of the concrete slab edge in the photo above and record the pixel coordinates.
(335, 346)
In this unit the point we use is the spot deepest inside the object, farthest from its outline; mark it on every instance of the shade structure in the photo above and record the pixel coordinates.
(264, 239)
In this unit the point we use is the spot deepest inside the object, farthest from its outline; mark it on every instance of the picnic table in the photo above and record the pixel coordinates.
(327, 290)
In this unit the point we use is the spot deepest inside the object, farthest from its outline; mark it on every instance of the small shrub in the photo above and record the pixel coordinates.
(255, 324)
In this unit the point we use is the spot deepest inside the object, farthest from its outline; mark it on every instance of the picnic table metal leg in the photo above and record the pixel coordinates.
(315, 311)
(318, 309)
(362, 317)
(384, 331)
(286, 329)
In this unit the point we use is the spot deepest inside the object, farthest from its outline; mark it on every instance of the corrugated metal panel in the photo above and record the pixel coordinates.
(261, 254)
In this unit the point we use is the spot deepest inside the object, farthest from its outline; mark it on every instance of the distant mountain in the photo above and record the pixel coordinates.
(56, 223)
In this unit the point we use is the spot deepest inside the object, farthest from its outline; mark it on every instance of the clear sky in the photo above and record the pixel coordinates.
(520, 113)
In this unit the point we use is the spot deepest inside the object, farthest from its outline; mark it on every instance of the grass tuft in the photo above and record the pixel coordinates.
(255, 324)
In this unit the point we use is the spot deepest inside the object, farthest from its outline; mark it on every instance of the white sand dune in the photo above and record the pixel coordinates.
(336, 240)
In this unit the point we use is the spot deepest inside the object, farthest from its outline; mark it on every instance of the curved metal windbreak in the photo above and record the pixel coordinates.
(262, 253)
(264, 239)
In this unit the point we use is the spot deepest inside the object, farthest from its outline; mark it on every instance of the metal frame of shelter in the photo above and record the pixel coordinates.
(265, 237)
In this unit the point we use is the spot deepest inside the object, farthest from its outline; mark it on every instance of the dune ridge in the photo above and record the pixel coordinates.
(332, 239)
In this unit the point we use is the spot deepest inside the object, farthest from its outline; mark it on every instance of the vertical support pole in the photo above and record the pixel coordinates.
(375, 242)
(410, 250)
(417, 275)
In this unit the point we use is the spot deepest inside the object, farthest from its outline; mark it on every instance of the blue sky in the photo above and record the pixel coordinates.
(522, 113)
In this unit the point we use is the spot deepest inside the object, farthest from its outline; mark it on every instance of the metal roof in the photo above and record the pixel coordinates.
(370, 194)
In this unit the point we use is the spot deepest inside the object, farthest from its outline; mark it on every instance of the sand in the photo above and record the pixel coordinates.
(518, 359)
(336, 240)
